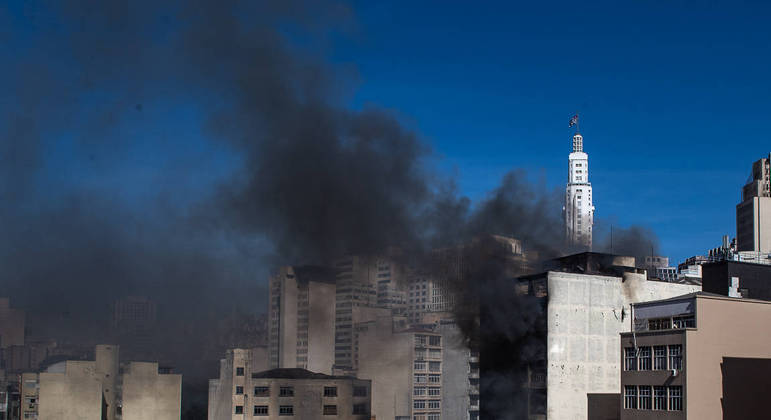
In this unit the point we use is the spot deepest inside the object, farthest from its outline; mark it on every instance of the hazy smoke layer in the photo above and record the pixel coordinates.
(92, 210)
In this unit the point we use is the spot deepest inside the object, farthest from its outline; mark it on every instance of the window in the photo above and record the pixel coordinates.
(435, 353)
(434, 391)
(645, 397)
(360, 409)
(239, 371)
(659, 324)
(239, 409)
(419, 365)
(676, 398)
(330, 410)
(433, 404)
(261, 391)
(687, 321)
(434, 379)
(435, 340)
(418, 404)
(420, 340)
(330, 391)
(286, 391)
(419, 390)
(360, 391)
(420, 378)
(630, 396)
(630, 362)
(239, 390)
(659, 398)
(433, 416)
(645, 358)
(435, 366)
(286, 410)
(675, 357)
(260, 410)
(660, 358)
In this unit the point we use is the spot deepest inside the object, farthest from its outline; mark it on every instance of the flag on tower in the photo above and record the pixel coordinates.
(573, 120)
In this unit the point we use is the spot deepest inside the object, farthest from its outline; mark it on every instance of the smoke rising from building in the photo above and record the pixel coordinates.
(286, 174)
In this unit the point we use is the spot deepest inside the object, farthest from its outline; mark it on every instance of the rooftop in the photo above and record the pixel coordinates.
(295, 373)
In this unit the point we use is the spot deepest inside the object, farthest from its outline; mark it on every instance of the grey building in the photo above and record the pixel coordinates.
(753, 214)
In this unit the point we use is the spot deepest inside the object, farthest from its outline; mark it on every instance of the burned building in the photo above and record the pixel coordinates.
(586, 302)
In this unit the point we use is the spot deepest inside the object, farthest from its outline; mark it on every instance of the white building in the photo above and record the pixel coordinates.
(586, 300)
(579, 211)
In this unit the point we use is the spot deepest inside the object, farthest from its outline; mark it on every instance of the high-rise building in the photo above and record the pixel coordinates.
(753, 214)
(133, 327)
(578, 210)
(301, 318)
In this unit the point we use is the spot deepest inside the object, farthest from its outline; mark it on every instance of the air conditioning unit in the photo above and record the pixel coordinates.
(674, 372)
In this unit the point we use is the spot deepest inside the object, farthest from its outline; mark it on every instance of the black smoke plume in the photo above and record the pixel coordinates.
(306, 179)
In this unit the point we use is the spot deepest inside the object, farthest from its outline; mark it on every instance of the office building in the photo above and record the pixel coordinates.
(301, 394)
(586, 303)
(697, 356)
(753, 214)
(578, 209)
(133, 327)
(405, 367)
(301, 318)
(228, 391)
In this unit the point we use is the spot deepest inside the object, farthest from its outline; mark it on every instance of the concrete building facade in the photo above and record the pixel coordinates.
(579, 208)
(147, 394)
(301, 318)
(586, 300)
(298, 393)
(697, 356)
(229, 390)
(753, 214)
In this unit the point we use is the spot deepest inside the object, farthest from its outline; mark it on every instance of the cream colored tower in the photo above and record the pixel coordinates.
(578, 210)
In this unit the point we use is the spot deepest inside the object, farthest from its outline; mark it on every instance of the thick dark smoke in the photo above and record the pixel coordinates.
(305, 179)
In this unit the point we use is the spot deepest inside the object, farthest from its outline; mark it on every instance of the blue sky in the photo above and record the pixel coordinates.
(674, 98)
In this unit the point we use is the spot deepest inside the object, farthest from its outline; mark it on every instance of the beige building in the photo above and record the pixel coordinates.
(301, 318)
(11, 325)
(753, 214)
(301, 394)
(103, 389)
(405, 367)
(231, 388)
(587, 301)
(697, 356)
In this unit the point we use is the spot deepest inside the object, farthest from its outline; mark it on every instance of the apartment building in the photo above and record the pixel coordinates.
(405, 367)
(235, 377)
(697, 356)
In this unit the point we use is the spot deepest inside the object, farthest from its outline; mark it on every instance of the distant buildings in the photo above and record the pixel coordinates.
(578, 209)
(11, 325)
(586, 303)
(658, 268)
(133, 327)
(696, 356)
(233, 387)
(102, 388)
(753, 214)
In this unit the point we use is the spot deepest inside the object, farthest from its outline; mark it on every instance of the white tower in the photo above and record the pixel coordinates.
(579, 211)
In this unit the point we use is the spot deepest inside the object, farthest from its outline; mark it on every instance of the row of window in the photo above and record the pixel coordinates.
(431, 391)
(686, 321)
(657, 360)
(433, 340)
(421, 378)
(426, 416)
(432, 366)
(422, 404)
(288, 410)
(646, 397)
